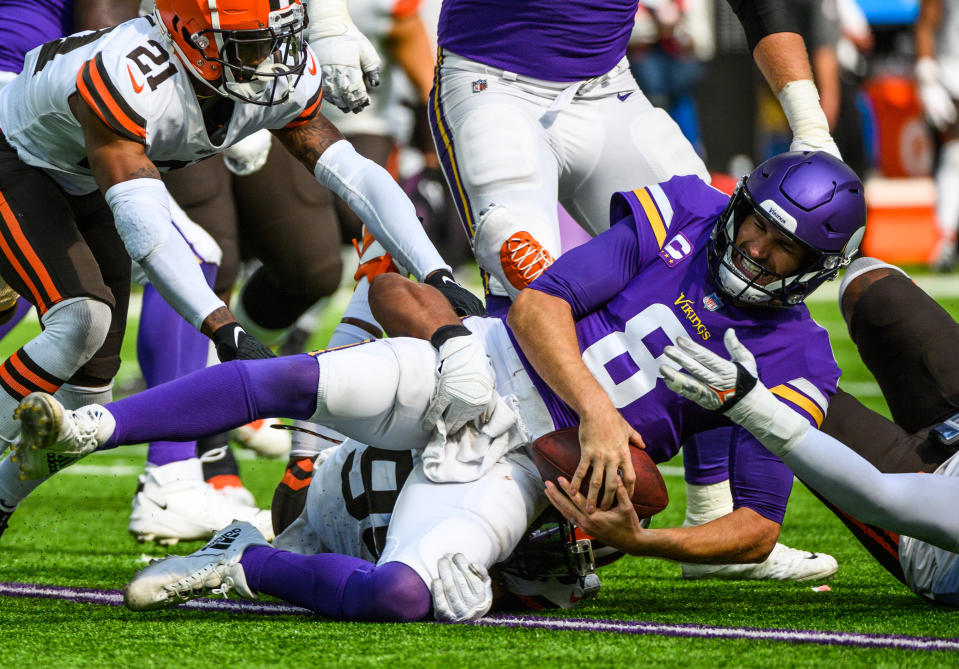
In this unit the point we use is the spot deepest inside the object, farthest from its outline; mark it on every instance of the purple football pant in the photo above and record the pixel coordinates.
(216, 399)
(706, 456)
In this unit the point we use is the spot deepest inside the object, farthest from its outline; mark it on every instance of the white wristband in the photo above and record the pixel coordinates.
(800, 103)
(927, 70)
(326, 18)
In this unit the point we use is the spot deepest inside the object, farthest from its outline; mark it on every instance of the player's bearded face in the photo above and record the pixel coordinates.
(763, 253)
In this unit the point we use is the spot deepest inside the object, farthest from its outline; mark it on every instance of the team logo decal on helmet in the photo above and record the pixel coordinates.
(251, 50)
(811, 197)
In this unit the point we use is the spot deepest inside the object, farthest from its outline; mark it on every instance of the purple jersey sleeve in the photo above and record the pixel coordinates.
(641, 221)
(616, 251)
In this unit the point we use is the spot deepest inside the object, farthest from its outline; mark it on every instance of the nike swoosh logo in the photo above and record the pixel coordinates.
(236, 336)
(136, 87)
(446, 279)
(312, 65)
(619, 96)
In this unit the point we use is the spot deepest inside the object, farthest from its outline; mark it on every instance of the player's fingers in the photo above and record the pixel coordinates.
(471, 579)
(609, 492)
(560, 501)
(440, 603)
(628, 475)
(636, 439)
(623, 500)
(453, 582)
(578, 476)
(372, 77)
(595, 483)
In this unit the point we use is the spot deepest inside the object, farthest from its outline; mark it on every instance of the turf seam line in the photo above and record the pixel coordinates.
(828, 638)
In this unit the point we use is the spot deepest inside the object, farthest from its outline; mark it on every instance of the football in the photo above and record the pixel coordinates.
(557, 454)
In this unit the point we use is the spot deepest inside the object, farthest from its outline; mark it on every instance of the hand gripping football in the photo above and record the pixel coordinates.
(557, 454)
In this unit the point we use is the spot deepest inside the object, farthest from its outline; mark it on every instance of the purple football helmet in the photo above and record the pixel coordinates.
(813, 198)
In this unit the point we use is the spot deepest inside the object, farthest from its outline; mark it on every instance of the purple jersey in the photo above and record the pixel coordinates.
(654, 287)
(25, 24)
(555, 41)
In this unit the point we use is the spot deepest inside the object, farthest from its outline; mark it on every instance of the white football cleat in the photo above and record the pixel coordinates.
(52, 437)
(214, 569)
(173, 503)
(260, 436)
(783, 564)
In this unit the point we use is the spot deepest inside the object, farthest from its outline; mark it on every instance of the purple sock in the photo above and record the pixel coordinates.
(338, 586)
(706, 456)
(167, 348)
(22, 309)
(216, 399)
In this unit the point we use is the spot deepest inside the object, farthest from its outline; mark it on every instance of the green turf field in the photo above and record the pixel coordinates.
(72, 533)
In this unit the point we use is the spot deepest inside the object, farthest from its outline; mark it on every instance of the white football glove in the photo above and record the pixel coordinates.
(463, 590)
(937, 104)
(249, 154)
(465, 388)
(349, 62)
(733, 387)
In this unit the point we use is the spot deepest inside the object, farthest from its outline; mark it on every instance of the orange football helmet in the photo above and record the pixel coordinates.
(252, 50)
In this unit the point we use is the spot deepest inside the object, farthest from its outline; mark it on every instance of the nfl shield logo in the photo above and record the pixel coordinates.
(712, 302)
(479, 85)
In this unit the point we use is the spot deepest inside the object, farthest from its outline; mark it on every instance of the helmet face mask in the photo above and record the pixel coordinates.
(813, 200)
(239, 48)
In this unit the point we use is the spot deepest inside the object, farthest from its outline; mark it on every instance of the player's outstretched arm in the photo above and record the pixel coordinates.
(738, 537)
(780, 53)
(909, 504)
(141, 210)
(544, 328)
(380, 203)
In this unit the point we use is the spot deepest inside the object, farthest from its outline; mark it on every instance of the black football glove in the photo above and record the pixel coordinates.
(234, 343)
(462, 301)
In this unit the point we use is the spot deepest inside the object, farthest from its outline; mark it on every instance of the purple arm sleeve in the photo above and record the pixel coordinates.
(590, 275)
(759, 480)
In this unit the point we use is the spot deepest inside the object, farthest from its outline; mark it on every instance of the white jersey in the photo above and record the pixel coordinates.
(138, 88)
(930, 571)
(349, 502)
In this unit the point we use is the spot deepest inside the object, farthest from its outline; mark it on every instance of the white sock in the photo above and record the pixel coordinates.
(705, 503)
